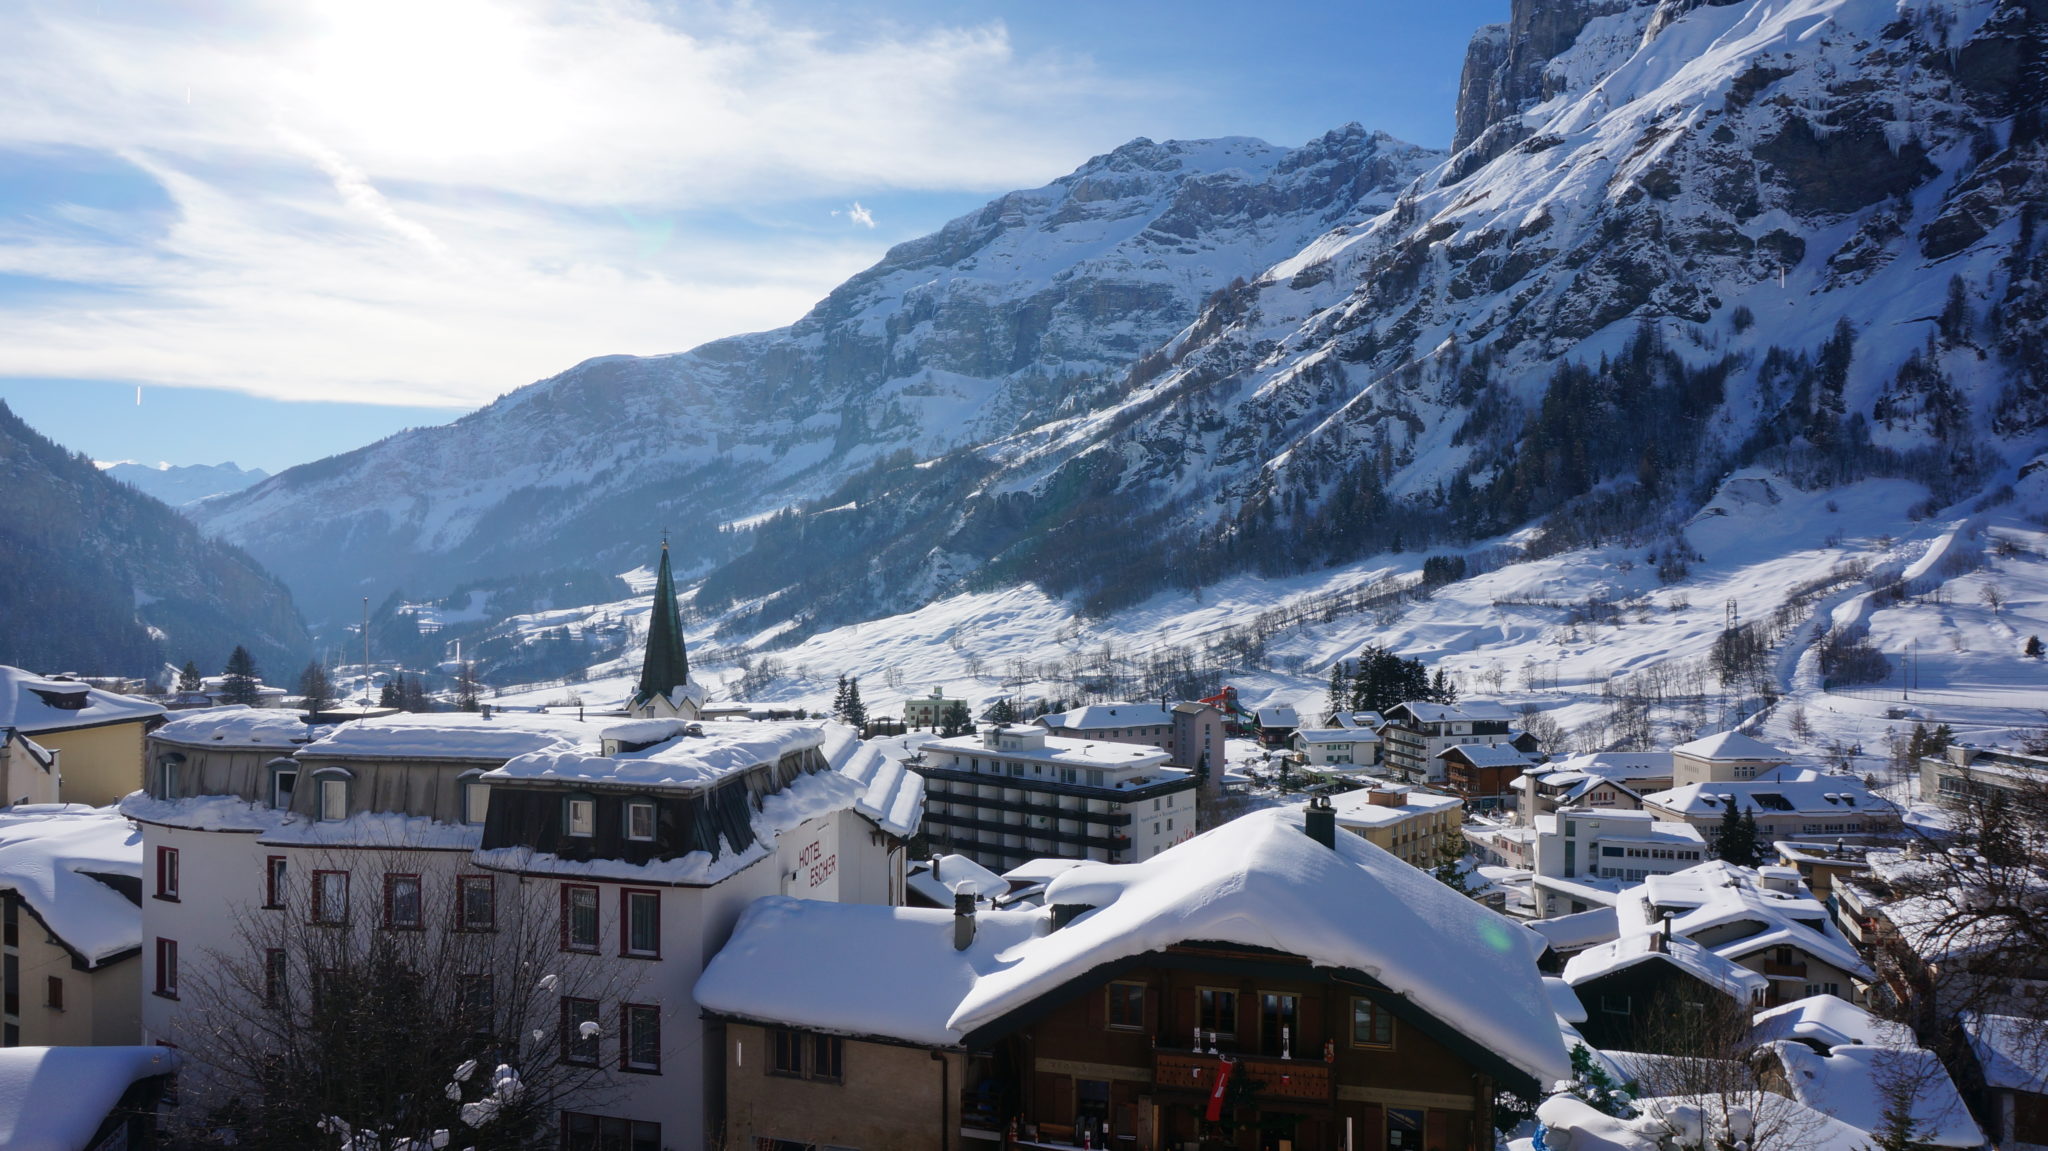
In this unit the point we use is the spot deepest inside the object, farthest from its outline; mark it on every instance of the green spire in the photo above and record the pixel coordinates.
(667, 666)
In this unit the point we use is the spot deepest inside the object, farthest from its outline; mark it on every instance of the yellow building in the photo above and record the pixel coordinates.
(1409, 822)
(71, 927)
(95, 737)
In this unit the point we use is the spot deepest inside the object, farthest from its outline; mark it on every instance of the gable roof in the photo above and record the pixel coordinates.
(1730, 745)
(1097, 717)
(1725, 975)
(51, 856)
(1257, 881)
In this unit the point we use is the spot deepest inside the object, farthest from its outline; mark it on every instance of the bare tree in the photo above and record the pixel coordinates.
(1993, 597)
(365, 1020)
(1705, 1082)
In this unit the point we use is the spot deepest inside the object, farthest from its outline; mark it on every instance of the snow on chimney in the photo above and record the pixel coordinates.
(963, 920)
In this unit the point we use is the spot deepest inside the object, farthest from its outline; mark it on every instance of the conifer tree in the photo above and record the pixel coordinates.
(241, 678)
(188, 679)
(316, 691)
(1002, 711)
(955, 721)
(392, 694)
(847, 708)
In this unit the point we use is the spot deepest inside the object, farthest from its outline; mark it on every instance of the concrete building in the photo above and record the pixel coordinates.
(94, 736)
(1344, 750)
(1724, 757)
(930, 710)
(1795, 805)
(1965, 772)
(1191, 733)
(1601, 780)
(1015, 793)
(1579, 847)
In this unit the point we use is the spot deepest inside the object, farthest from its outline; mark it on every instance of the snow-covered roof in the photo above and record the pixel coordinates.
(1827, 948)
(1278, 717)
(48, 853)
(1317, 736)
(1356, 808)
(1042, 870)
(239, 725)
(1855, 1084)
(1630, 950)
(453, 735)
(1487, 755)
(1830, 1021)
(1805, 793)
(1061, 750)
(1258, 880)
(891, 796)
(1368, 720)
(55, 1098)
(1109, 717)
(1730, 745)
(1579, 930)
(1614, 764)
(2012, 1052)
(686, 763)
(1563, 1000)
(1478, 710)
(953, 874)
(33, 703)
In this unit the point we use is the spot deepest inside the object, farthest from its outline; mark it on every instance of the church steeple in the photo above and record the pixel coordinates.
(667, 666)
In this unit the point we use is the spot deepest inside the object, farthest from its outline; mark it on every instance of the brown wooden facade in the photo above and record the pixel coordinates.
(1116, 1051)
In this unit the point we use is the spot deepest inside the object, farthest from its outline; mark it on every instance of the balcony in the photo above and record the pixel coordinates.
(1308, 1080)
(1787, 970)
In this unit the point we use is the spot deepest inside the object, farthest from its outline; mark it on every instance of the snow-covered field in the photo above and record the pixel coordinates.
(1523, 633)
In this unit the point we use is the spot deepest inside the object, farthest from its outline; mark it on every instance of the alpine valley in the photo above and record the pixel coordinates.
(1684, 258)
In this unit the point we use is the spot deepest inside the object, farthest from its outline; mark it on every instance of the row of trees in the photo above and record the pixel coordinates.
(1378, 679)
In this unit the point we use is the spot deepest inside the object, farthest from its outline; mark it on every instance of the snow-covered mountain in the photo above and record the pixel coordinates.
(181, 484)
(1028, 310)
(1676, 239)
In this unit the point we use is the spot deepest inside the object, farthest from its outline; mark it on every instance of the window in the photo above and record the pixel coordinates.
(1371, 1025)
(579, 917)
(273, 881)
(1127, 1006)
(402, 902)
(53, 994)
(476, 903)
(580, 1030)
(640, 923)
(805, 1055)
(640, 820)
(167, 873)
(582, 1132)
(166, 968)
(283, 781)
(1279, 1023)
(579, 817)
(333, 795)
(639, 1037)
(168, 770)
(1616, 1004)
(275, 965)
(476, 1000)
(330, 897)
(476, 802)
(1219, 1012)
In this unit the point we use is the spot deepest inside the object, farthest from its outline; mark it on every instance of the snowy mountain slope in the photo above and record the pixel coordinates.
(182, 484)
(1001, 320)
(1680, 238)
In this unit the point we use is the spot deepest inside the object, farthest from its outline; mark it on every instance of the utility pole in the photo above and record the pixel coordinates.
(366, 649)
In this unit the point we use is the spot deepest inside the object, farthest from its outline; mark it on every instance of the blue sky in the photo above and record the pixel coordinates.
(301, 225)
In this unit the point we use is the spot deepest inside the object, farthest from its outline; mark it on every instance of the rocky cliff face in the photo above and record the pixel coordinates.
(101, 579)
(1025, 312)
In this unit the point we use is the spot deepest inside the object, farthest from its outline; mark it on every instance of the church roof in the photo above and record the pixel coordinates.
(667, 666)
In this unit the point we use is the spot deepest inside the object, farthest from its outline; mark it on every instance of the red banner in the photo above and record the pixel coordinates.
(1223, 1070)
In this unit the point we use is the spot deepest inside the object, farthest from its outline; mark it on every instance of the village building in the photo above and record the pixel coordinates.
(1191, 733)
(1965, 772)
(1317, 989)
(1641, 991)
(1337, 750)
(2008, 1077)
(1277, 725)
(1483, 775)
(1582, 856)
(1412, 824)
(70, 895)
(1802, 804)
(930, 711)
(1600, 780)
(62, 741)
(83, 1098)
(1014, 793)
(1415, 732)
(1724, 757)
(637, 840)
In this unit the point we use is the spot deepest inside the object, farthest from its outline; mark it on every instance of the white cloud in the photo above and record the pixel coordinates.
(434, 201)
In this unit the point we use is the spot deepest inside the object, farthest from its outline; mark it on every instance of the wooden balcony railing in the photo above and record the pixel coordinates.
(1273, 1077)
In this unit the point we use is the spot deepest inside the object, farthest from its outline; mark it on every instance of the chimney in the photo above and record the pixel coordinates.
(1383, 797)
(963, 920)
(935, 870)
(1320, 821)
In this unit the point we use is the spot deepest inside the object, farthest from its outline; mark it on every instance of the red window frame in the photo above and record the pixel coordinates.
(596, 926)
(463, 885)
(650, 1016)
(274, 871)
(167, 874)
(320, 908)
(167, 968)
(577, 1011)
(419, 899)
(626, 949)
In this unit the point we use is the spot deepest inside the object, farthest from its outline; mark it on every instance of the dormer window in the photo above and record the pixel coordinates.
(579, 816)
(169, 770)
(476, 799)
(640, 820)
(284, 779)
(332, 797)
